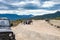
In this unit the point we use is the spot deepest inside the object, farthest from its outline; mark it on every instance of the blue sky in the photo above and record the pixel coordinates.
(26, 7)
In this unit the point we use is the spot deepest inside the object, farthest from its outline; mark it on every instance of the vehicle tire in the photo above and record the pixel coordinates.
(13, 37)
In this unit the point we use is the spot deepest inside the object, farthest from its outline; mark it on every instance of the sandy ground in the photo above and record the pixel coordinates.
(38, 30)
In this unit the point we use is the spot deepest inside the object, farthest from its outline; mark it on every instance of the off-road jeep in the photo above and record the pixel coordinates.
(5, 30)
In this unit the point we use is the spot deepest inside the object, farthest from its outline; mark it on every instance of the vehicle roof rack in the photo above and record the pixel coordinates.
(3, 18)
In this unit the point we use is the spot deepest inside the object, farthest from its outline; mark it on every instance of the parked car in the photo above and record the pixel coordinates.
(5, 30)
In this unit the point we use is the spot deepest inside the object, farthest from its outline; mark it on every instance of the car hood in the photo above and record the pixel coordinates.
(5, 29)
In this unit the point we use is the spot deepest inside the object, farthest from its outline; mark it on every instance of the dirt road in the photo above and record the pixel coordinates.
(38, 30)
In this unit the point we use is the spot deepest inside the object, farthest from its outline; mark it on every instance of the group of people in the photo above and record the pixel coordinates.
(27, 22)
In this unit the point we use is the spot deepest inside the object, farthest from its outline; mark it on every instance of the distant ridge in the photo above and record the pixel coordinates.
(48, 16)
(15, 16)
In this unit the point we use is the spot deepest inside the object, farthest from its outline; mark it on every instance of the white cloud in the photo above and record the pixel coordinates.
(48, 4)
(1, 0)
(6, 11)
(45, 4)
(57, 1)
(27, 12)
(36, 12)
(18, 3)
(37, 2)
(51, 3)
(22, 3)
(3, 7)
(21, 11)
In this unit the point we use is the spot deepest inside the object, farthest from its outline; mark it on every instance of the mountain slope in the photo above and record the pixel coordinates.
(15, 16)
(48, 16)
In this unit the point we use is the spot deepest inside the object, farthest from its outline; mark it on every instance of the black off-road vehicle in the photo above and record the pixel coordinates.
(5, 30)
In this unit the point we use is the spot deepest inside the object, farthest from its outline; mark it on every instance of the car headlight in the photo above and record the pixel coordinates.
(10, 34)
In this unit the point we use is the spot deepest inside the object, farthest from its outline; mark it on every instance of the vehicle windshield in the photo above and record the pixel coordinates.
(4, 23)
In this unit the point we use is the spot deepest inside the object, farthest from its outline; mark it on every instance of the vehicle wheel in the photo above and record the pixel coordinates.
(5, 39)
(13, 39)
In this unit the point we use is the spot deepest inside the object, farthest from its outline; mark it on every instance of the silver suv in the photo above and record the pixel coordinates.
(5, 30)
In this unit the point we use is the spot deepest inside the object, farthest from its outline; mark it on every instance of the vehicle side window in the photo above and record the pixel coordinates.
(4, 22)
(1, 22)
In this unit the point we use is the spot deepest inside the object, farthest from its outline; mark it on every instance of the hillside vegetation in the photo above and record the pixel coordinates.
(16, 22)
(48, 16)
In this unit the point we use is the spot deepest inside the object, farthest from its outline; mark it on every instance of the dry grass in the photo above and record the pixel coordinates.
(15, 23)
